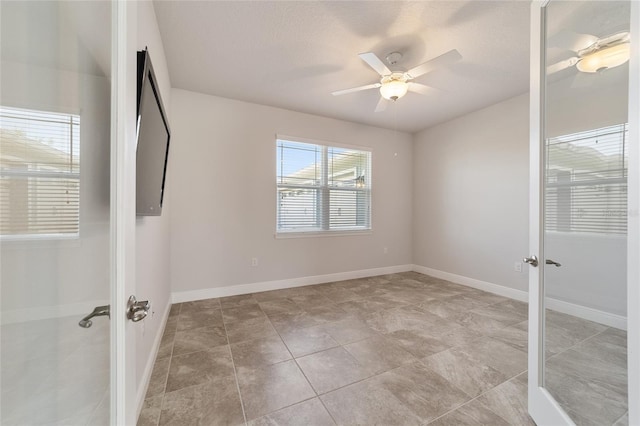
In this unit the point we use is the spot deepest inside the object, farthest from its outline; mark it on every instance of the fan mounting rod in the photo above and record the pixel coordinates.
(393, 58)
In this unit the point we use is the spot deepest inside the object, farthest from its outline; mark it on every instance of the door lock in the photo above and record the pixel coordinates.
(137, 310)
(533, 260)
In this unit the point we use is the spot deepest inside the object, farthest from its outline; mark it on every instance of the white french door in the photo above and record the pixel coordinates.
(67, 191)
(584, 223)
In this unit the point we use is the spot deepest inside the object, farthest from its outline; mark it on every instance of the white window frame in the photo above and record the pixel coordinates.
(324, 229)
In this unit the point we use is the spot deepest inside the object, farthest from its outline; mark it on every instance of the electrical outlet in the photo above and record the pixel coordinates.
(517, 266)
(254, 261)
(385, 250)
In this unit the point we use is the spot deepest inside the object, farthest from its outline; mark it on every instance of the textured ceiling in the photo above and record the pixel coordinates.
(294, 54)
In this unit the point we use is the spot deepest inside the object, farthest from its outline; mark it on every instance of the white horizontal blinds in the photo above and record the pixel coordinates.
(299, 180)
(39, 172)
(586, 182)
(349, 181)
(322, 188)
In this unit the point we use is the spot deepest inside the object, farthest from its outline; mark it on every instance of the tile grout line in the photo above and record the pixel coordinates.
(319, 395)
(293, 358)
(299, 368)
(577, 344)
(381, 334)
(170, 357)
(620, 418)
(477, 397)
(508, 379)
(233, 364)
(484, 392)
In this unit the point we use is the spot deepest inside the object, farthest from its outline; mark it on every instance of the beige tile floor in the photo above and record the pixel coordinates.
(395, 349)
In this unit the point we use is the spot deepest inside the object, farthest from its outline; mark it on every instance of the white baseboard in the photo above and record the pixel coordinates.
(584, 312)
(234, 290)
(148, 369)
(500, 290)
(48, 312)
(590, 314)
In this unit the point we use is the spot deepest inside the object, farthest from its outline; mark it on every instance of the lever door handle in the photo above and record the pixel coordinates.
(552, 262)
(137, 310)
(533, 260)
(99, 311)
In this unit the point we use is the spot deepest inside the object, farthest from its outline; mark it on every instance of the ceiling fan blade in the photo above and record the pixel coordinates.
(356, 89)
(439, 61)
(374, 62)
(562, 65)
(382, 104)
(568, 40)
(421, 88)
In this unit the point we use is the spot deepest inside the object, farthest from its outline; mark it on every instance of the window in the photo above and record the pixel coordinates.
(586, 181)
(322, 188)
(39, 173)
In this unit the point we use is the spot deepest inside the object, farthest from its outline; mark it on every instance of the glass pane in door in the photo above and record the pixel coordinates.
(54, 212)
(585, 208)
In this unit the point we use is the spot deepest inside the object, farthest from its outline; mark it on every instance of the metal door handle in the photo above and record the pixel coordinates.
(137, 310)
(533, 260)
(99, 311)
(552, 262)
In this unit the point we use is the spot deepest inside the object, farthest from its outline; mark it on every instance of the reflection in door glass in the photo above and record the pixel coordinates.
(54, 211)
(585, 209)
(586, 182)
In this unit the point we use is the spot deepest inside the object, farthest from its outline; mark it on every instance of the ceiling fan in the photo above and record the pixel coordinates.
(394, 84)
(593, 54)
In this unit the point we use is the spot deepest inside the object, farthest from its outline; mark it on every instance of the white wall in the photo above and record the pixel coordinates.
(471, 194)
(152, 232)
(223, 196)
(593, 272)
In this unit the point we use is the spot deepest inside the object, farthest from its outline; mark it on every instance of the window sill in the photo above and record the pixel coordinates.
(314, 234)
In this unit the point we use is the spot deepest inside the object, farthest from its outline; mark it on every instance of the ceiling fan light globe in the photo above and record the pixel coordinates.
(603, 59)
(394, 89)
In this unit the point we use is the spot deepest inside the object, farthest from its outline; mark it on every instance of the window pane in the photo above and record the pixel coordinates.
(348, 168)
(349, 209)
(299, 163)
(298, 209)
(39, 172)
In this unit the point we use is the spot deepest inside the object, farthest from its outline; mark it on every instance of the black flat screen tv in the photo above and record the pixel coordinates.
(153, 135)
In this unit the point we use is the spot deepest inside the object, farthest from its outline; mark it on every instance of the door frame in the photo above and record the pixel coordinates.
(123, 410)
(633, 223)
